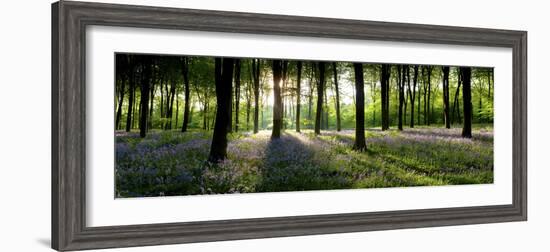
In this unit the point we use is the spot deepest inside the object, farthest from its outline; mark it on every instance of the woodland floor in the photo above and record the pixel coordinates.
(173, 163)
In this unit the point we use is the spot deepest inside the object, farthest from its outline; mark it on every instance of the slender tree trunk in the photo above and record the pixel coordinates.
(187, 93)
(224, 81)
(120, 102)
(248, 102)
(122, 76)
(205, 116)
(337, 91)
(385, 85)
(360, 142)
(325, 110)
(456, 105)
(425, 89)
(283, 89)
(401, 87)
(163, 98)
(131, 102)
(418, 100)
(310, 97)
(151, 103)
(237, 92)
(256, 74)
(429, 111)
(177, 110)
(320, 89)
(298, 93)
(465, 73)
(144, 90)
(171, 103)
(446, 97)
(406, 79)
(277, 99)
(413, 94)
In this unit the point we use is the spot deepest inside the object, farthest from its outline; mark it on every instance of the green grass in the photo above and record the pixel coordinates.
(173, 163)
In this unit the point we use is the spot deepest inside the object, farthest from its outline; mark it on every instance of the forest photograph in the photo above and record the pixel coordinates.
(197, 125)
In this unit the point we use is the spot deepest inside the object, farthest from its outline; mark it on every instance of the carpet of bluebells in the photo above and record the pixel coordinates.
(172, 163)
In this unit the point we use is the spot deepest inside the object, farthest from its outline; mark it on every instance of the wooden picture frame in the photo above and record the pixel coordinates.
(69, 20)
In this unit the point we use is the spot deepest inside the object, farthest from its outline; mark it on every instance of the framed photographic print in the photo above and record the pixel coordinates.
(177, 125)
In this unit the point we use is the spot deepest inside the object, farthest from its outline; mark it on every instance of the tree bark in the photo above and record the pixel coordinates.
(131, 95)
(187, 91)
(144, 89)
(401, 87)
(170, 110)
(237, 92)
(456, 106)
(418, 100)
(429, 110)
(337, 91)
(406, 79)
(465, 73)
(277, 68)
(385, 95)
(224, 81)
(151, 103)
(446, 97)
(320, 89)
(298, 93)
(122, 76)
(360, 142)
(412, 94)
(248, 97)
(310, 97)
(256, 76)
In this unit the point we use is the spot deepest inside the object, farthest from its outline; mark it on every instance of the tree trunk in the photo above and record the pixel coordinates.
(177, 110)
(310, 97)
(187, 92)
(131, 95)
(360, 142)
(337, 91)
(446, 97)
(171, 103)
(120, 101)
(325, 110)
(277, 99)
(406, 79)
(320, 89)
(237, 92)
(429, 110)
(465, 73)
(144, 89)
(256, 76)
(298, 93)
(456, 105)
(385, 95)
(151, 103)
(248, 99)
(413, 94)
(401, 88)
(224, 81)
(418, 100)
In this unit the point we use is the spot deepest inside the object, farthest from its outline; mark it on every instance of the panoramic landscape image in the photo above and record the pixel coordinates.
(198, 125)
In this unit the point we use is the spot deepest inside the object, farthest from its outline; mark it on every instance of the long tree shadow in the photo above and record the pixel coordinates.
(454, 133)
(290, 164)
(412, 161)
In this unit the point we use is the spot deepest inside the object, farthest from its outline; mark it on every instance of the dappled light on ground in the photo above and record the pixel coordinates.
(173, 163)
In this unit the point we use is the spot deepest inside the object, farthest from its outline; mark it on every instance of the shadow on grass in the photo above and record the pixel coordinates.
(456, 133)
(290, 164)
(404, 165)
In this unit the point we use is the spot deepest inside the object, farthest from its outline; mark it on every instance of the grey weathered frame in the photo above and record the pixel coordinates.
(69, 20)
